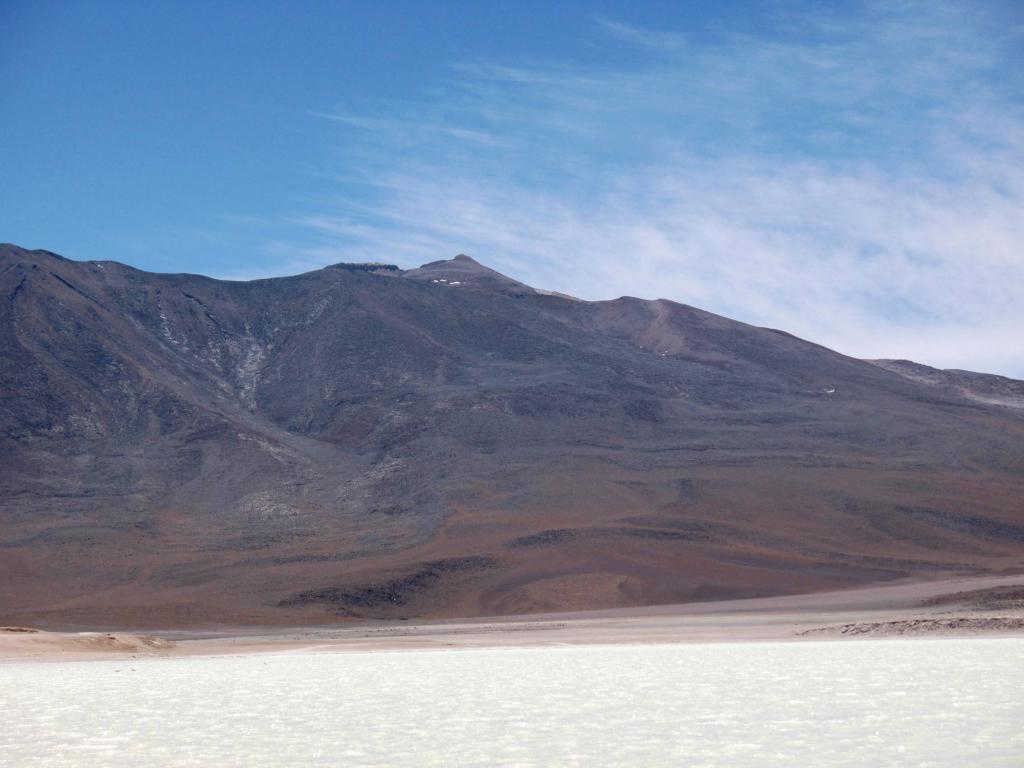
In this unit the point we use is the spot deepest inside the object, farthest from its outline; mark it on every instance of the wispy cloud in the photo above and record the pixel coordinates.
(662, 42)
(857, 179)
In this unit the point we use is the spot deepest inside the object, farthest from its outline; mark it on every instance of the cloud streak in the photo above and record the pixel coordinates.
(856, 180)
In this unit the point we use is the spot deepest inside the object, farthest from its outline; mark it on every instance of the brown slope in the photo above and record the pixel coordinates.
(359, 441)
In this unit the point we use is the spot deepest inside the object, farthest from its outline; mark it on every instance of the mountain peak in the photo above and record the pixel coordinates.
(461, 261)
(466, 272)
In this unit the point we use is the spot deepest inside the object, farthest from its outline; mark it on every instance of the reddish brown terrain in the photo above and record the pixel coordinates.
(363, 441)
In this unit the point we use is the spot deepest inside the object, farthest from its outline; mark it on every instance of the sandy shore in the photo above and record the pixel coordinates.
(962, 606)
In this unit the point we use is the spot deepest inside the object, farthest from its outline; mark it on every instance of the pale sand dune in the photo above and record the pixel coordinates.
(923, 608)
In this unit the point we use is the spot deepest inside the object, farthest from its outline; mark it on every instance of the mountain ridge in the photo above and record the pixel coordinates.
(371, 443)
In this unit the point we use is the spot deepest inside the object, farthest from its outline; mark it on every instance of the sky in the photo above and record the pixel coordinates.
(852, 173)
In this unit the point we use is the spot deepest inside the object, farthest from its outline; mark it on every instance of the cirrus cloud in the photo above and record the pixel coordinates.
(855, 179)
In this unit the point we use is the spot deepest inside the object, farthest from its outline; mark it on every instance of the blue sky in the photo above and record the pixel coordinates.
(850, 172)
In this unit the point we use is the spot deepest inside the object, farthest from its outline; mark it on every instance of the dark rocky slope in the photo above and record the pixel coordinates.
(367, 441)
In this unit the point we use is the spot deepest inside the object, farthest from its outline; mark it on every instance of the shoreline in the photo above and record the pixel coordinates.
(977, 606)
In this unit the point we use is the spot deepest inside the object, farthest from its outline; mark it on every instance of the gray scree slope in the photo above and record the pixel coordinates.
(363, 441)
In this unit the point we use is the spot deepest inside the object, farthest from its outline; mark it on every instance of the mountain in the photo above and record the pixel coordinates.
(980, 387)
(365, 441)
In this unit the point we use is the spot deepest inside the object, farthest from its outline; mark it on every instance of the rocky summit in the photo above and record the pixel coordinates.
(369, 442)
